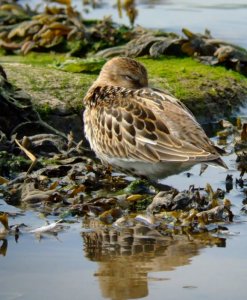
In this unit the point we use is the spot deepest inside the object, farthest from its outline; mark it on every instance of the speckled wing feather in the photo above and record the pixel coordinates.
(145, 124)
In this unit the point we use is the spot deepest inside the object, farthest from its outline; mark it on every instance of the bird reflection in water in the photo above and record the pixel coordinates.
(126, 256)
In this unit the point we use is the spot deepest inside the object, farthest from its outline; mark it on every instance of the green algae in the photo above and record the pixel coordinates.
(196, 84)
(34, 58)
(49, 88)
(78, 65)
(10, 165)
(187, 78)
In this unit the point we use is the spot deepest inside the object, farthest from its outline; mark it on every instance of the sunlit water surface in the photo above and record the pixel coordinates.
(64, 267)
(226, 19)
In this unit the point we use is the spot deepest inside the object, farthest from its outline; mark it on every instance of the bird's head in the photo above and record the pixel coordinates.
(124, 72)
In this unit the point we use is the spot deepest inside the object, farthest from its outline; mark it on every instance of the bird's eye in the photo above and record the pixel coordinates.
(127, 77)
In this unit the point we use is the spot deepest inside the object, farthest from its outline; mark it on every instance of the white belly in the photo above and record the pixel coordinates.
(158, 170)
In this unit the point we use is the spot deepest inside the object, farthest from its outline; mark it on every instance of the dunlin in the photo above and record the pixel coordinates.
(141, 130)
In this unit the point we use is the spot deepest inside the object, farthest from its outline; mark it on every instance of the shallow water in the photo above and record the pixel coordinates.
(226, 19)
(67, 267)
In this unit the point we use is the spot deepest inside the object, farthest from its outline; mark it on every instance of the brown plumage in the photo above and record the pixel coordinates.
(141, 130)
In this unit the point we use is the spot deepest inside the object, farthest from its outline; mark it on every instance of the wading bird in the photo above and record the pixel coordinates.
(142, 130)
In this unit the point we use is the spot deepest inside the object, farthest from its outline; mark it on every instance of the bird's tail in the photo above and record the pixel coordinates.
(218, 162)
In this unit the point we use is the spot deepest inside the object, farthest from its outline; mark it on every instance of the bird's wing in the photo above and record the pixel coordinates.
(148, 125)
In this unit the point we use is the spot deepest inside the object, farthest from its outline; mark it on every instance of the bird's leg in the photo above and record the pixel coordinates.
(158, 186)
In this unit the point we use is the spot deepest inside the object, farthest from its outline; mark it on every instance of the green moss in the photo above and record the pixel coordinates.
(10, 164)
(48, 161)
(77, 65)
(187, 78)
(34, 58)
(48, 87)
(44, 110)
(2, 52)
(142, 204)
(137, 186)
